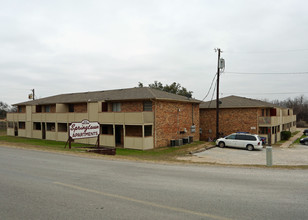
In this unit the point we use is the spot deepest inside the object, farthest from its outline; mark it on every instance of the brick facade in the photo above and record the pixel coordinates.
(230, 121)
(80, 107)
(170, 122)
(133, 106)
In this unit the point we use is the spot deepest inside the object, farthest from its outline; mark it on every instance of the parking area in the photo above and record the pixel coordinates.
(295, 155)
(288, 154)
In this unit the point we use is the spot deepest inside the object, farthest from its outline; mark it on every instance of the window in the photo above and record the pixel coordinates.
(10, 124)
(104, 107)
(37, 126)
(133, 130)
(116, 107)
(231, 136)
(51, 126)
(62, 127)
(147, 106)
(263, 130)
(147, 130)
(47, 108)
(21, 125)
(240, 137)
(38, 108)
(107, 129)
(262, 112)
(251, 138)
(71, 108)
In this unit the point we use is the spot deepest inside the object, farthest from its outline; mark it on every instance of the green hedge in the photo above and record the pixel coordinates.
(285, 135)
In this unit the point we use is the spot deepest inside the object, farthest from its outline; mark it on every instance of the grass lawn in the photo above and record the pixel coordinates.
(161, 154)
(298, 139)
(283, 141)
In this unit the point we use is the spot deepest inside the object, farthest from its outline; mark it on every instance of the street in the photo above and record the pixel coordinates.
(44, 185)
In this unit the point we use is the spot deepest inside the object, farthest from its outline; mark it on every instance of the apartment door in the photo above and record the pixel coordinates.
(15, 129)
(119, 137)
(43, 130)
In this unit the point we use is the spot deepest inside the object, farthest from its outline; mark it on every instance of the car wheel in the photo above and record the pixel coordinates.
(306, 142)
(221, 144)
(249, 147)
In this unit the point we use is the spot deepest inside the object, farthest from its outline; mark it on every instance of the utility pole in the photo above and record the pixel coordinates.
(33, 94)
(217, 94)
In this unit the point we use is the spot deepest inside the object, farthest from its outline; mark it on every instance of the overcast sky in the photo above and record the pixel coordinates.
(63, 46)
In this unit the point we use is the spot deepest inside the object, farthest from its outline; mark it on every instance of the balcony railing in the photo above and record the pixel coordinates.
(102, 117)
(126, 117)
(276, 120)
(16, 116)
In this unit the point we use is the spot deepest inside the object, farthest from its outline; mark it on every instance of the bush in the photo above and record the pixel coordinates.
(285, 135)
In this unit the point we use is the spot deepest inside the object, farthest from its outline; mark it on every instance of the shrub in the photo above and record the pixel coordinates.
(285, 135)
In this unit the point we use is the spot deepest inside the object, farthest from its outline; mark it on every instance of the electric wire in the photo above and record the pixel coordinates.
(264, 93)
(268, 73)
(213, 94)
(210, 87)
(267, 51)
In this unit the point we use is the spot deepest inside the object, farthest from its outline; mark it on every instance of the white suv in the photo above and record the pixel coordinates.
(241, 140)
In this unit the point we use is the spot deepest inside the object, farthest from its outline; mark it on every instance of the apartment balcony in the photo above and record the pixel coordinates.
(288, 119)
(126, 117)
(59, 117)
(276, 120)
(16, 116)
(270, 121)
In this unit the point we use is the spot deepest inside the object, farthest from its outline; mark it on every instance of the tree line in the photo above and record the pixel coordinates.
(4, 108)
(175, 88)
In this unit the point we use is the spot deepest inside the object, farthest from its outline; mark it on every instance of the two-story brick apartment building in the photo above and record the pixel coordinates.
(136, 118)
(239, 114)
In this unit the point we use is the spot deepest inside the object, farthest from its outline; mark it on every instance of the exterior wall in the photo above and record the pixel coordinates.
(171, 120)
(134, 106)
(165, 118)
(61, 108)
(230, 121)
(80, 107)
(234, 120)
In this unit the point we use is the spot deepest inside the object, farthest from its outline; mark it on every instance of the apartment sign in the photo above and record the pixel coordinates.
(84, 129)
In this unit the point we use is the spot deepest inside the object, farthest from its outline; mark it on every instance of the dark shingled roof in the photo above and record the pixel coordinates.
(237, 102)
(143, 93)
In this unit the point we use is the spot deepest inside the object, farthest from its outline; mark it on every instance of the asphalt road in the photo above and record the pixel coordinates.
(42, 185)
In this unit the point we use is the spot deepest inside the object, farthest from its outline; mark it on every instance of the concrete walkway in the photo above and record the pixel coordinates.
(292, 139)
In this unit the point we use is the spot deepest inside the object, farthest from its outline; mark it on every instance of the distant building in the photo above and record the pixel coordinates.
(136, 118)
(239, 114)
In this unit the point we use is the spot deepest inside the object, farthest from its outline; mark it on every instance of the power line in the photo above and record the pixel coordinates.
(210, 87)
(246, 73)
(268, 51)
(213, 94)
(264, 93)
